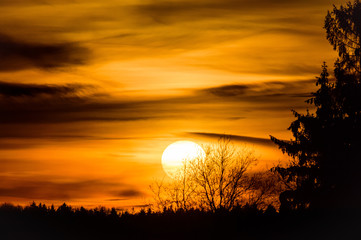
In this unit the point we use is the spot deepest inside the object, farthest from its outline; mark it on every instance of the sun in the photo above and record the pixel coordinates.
(177, 153)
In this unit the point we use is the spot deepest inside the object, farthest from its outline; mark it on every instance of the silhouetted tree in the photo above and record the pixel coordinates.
(218, 180)
(326, 149)
(179, 193)
(343, 27)
(220, 176)
(264, 190)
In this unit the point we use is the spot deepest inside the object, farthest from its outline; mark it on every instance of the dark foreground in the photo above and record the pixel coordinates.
(41, 222)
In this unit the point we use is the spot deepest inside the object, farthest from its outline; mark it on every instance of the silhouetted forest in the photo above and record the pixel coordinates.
(38, 221)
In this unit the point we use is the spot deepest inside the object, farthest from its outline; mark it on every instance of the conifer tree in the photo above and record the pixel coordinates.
(326, 150)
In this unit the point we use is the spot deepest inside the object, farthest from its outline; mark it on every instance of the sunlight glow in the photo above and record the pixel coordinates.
(175, 155)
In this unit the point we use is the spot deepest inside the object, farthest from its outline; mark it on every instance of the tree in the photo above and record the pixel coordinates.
(179, 193)
(220, 180)
(326, 149)
(265, 188)
(343, 28)
(221, 175)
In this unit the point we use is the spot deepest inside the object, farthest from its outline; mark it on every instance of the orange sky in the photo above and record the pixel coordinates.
(92, 92)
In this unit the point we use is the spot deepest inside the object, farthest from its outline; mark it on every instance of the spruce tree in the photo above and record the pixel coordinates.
(325, 170)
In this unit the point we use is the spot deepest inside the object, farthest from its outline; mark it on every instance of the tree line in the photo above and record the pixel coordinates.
(38, 221)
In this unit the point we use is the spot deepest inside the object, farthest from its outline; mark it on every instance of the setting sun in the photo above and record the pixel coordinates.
(177, 153)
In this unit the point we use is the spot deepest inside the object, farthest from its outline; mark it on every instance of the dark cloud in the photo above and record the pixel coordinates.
(73, 111)
(115, 199)
(70, 137)
(8, 89)
(60, 104)
(142, 205)
(38, 136)
(32, 188)
(153, 28)
(128, 193)
(263, 91)
(35, 103)
(287, 69)
(17, 54)
(213, 8)
(253, 140)
(229, 90)
(45, 189)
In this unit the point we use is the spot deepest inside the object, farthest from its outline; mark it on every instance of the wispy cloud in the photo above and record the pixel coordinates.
(56, 104)
(263, 91)
(210, 7)
(8, 89)
(18, 54)
(247, 139)
(51, 103)
(50, 189)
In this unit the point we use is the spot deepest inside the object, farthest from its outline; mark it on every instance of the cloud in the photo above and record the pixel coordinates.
(128, 193)
(8, 89)
(124, 30)
(178, 6)
(253, 140)
(37, 136)
(46, 188)
(32, 103)
(18, 54)
(187, 9)
(229, 90)
(115, 199)
(36, 103)
(272, 89)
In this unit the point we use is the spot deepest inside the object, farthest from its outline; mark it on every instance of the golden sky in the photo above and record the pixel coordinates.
(92, 92)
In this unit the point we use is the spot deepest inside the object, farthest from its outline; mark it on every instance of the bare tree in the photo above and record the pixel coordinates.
(179, 193)
(264, 189)
(220, 176)
(217, 180)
